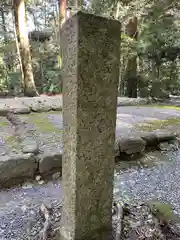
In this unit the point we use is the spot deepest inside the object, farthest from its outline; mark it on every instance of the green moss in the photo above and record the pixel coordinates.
(162, 106)
(42, 123)
(4, 123)
(12, 142)
(158, 124)
(163, 211)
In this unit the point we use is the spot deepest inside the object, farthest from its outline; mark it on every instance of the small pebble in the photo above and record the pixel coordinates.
(24, 208)
(38, 178)
(150, 221)
(27, 186)
(41, 182)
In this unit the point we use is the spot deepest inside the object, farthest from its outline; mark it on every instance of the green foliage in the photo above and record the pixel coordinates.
(156, 65)
(53, 82)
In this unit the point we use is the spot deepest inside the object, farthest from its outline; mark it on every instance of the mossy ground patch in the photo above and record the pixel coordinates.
(150, 126)
(42, 122)
(4, 123)
(162, 106)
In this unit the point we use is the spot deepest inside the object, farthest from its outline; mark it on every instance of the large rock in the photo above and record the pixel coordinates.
(43, 103)
(150, 138)
(164, 136)
(29, 145)
(125, 101)
(49, 161)
(17, 167)
(12, 104)
(166, 146)
(156, 137)
(131, 145)
(56, 102)
(37, 104)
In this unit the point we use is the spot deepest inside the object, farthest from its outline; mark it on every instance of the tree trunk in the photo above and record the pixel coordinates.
(79, 3)
(7, 56)
(19, 59)
(131, 78)
(117, 11)
(131, 70)
(4, 25)
(62, 11)
(22, 34)
(62, 19)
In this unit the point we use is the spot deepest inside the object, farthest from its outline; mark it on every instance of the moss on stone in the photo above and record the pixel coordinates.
(163, 211)
(149, 126)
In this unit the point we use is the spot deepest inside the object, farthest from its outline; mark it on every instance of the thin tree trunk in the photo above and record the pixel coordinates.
(4, 25)
(131, 70)
(34, 21)
(19, 58)
(22, 34)
(79, 3)
(62, 19)
(45, 14)
(7, 56)
(62, 11)
(117, 11)
(131, 77)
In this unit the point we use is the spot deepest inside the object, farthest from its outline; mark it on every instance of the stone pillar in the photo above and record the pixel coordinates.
(91, 53)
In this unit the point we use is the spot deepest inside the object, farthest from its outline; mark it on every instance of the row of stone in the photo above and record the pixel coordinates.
(23, 166)
(138, 142)
(17, 168)
(48, 103)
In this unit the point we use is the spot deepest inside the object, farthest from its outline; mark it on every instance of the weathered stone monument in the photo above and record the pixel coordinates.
(91, 53)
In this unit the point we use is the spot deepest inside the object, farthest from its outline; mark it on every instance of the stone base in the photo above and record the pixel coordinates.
(99, 234)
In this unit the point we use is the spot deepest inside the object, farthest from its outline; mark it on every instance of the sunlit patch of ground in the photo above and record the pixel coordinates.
(158, 124)
(162, 106)
(43, 123)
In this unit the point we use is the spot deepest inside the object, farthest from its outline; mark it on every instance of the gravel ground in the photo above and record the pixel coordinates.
(19, 207)
(160, 181)
(20, 218)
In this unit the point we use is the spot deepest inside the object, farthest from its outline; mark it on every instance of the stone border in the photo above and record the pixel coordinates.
(27, 105)
(44, 103)
(21, 167)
